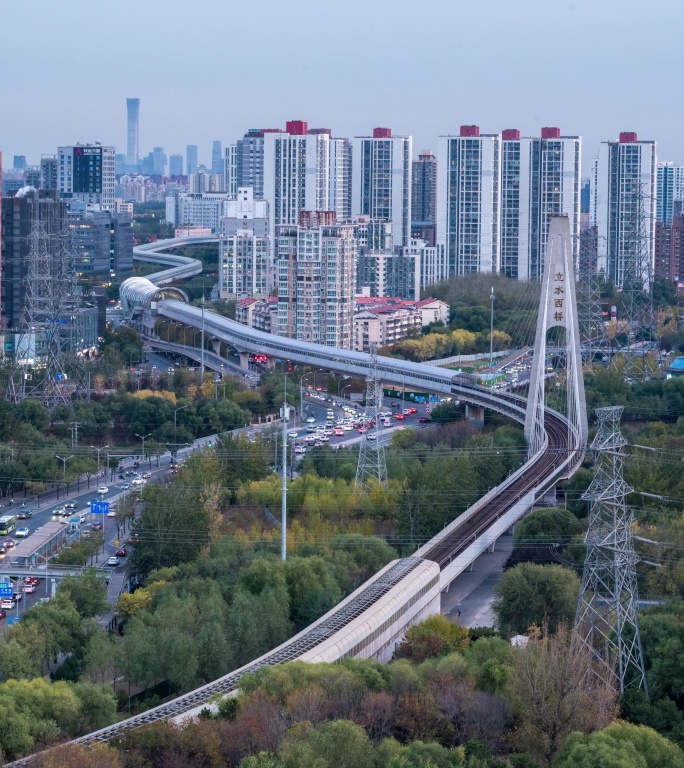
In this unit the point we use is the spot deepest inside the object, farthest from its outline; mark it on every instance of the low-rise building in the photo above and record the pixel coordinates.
(260, 314)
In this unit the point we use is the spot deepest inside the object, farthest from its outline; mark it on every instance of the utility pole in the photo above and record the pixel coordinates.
(64, 461)
(607, 611)
(284, 413)
(491, 328)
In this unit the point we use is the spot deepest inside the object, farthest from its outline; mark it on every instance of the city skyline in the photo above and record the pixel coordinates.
(549, 77)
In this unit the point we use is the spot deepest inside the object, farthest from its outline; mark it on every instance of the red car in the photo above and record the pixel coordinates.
(120, 552)
(32, 580)
(3, 614)
(424, 419)
(399, 416)
(413, 410)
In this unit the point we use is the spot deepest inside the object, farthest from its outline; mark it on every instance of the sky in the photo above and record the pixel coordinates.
(211, 69)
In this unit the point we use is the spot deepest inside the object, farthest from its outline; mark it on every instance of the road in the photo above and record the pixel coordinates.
(468, 601)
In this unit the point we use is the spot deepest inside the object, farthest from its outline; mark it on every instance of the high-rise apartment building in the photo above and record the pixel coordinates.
(468, 200)
(19, 162)
(176, 165)
(316, 279)
(540, 178)
(199, 210)
(340, 179)
(626, 209)
(381, 178)
(133, 135)
(191, 158)
(424, 197)
(296, 173)
(245, 263)
(230, 170)
(87, 174)
(32, 176)
(665, 192)
(217, 162)
(48, 172)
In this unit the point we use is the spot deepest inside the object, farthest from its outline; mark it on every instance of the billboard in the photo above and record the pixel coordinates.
(87, 169)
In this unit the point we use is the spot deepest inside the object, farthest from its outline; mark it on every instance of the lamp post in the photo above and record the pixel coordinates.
(143, 438)
(64, 461)
(98, 449)
(491, 328)
(346, 386)
(175, 411)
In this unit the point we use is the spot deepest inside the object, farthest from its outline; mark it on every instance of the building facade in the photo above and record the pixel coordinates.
(176, 165)
(201, 210)
(245, 264)
(87, 174)
(468, 200)
(133, 135)
(381, 180)
(316, 279)
(626, 209)
(191, 158)
(424, 197)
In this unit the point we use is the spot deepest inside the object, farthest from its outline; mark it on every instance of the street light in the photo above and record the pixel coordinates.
(64, 460)
(175, 411)
(143, 438)
(98, 449)
(301, 389)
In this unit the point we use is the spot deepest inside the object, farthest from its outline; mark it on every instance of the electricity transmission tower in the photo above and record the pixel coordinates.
(372, 466)
(49, 329)
(589, 314)
(607, 610)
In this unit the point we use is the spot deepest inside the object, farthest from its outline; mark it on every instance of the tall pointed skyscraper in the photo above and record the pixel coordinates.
(133, 135)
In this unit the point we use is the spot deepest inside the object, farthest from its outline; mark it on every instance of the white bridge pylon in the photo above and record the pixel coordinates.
(557, 309)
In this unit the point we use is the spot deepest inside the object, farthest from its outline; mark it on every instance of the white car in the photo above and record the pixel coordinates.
(102, 490)
(137, 481)
(113, 560)
(7, 603)
(311, 420)
(21, 533)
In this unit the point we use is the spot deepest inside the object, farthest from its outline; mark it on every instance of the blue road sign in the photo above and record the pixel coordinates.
(434, 398)
(99, 507)
(6, 589)
(12, 620)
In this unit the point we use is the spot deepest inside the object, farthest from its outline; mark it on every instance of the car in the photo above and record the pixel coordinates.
(399, 416)
(58, 512)
(300, 449)
(424, 419)
(311, 420)
(96, 527)
(338, 431)
(70, 505)
(9, 544)
(121, 552)
(18, 596)
(3, 553)
(137, 481)
(102, 490)
(24, 514)
(3, 614)
(372, 436)
(147, 475)
(113, 561)
(406, 412)
(21, 533)
(134, 538)
(292, 435)
(33, 580)
(413, 410)
(7, 603)
(125, 486)
(29, 589)
(362, 430)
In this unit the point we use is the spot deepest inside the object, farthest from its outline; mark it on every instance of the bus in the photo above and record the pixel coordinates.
(7, 524)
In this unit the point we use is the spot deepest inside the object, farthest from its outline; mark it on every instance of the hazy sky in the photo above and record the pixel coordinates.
(210, 69)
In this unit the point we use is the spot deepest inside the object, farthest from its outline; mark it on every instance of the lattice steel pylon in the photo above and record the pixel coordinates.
(589, 314)
(47, 333)
(372, 465)
(607, 610)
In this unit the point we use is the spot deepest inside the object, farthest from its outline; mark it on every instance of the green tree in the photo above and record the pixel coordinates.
(435, 636)
(541, 595)
(335, 744)
(87, 591)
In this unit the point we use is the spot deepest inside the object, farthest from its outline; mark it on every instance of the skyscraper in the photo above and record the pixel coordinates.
(468, 204)
(665, 192)
(424, 197)
(340, 179)
(217, 163)
(626, 208)
(133, 135)
(296, 173)
(316, 280)
(86, 173)
(381, 179)
(191, 159)
(540, 178)
(176, 165)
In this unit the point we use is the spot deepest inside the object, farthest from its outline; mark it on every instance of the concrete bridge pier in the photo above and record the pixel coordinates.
(549, 499)
(270, 363)
(475, 413)
(244, 360)
(216, 346)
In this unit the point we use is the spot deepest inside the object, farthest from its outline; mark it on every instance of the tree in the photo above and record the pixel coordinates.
(553, 692)
(435, 636)
(541, 595)
(87, 591)
(336, 744)
(78, 756)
